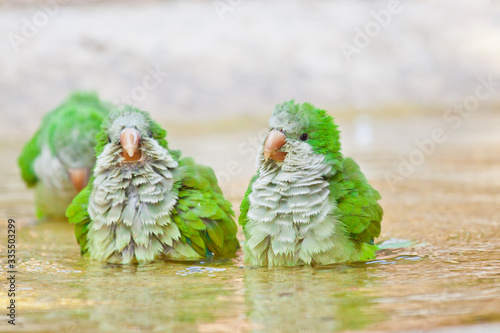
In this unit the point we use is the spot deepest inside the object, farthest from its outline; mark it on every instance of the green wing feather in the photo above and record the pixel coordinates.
(28, 155)
(245, 204)
(357, 203)
(202, 214)
(77, 214)
(82, 110)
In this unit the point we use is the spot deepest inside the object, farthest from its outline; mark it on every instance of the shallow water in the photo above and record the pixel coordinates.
(448, 276)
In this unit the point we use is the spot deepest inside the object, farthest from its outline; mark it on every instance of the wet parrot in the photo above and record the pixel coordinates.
(145, 202)
(307, 204)
(58, 159)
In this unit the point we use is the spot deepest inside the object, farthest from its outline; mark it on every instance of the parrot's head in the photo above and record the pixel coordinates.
(298, 132)
(72, 135)
(129, 136)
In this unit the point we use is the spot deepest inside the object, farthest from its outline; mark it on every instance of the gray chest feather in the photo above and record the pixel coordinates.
(130, 212)
(287, 204)
(131, 195)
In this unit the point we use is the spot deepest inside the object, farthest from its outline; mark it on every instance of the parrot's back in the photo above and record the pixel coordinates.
(60, 156)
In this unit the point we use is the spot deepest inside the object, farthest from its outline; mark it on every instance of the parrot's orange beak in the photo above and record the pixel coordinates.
(130, 139)
(275, 140)
(79, 178)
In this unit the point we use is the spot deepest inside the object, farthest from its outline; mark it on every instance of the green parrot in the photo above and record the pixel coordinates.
(145, 202)
(59, 158)
(307, 205)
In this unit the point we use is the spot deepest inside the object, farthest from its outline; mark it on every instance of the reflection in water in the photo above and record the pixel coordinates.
(412, 288)
(311, 299)
(450, 276)
(152, 297)
(57, 282)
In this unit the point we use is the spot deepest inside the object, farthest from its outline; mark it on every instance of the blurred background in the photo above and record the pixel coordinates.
(219, 67)
(413, 85)
(219, 60)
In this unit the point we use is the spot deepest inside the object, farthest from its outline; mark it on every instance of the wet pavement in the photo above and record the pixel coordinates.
(446, 278)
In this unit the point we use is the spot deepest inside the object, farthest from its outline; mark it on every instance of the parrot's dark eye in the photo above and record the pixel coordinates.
(150, 134)
(109, 139)
(304, 136)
